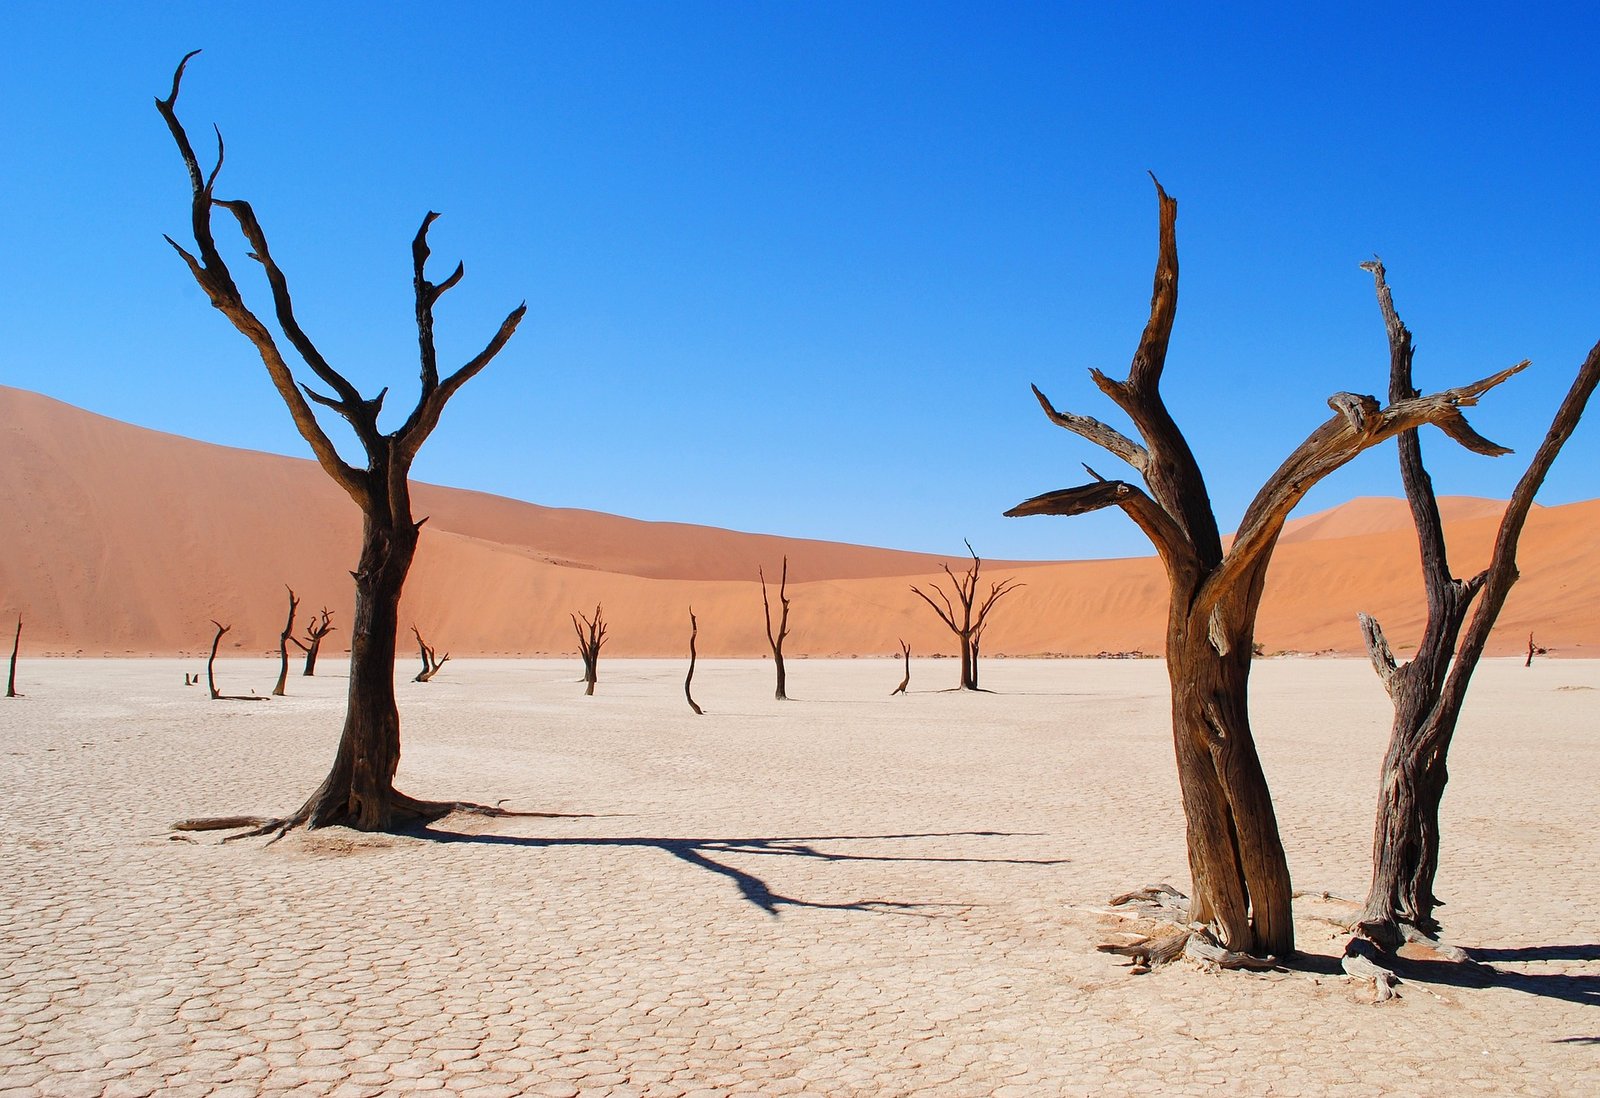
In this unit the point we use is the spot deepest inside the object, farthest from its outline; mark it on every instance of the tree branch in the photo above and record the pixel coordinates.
(1359, 426)
(211, 272)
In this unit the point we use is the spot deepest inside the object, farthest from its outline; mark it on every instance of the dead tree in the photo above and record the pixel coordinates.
(905, 650)
(430, 661)
(211, 674)
(315, 631)
(359, 788)
(591, 635)
(283, 645)
(1428, 691)
(775, 640)
(968, 626)
(1241, 879)
(1533, 650)
(11, 679)
(694, 629)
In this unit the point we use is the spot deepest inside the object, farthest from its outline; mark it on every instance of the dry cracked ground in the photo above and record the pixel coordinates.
(843, 894)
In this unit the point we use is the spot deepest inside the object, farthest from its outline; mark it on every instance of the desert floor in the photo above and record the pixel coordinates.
(843, 894)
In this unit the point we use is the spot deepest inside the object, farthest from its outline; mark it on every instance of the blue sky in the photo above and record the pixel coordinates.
(791, 268)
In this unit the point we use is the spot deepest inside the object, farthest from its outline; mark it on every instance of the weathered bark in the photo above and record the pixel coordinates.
(775, 640)
(1429, 690)
(283, 646)
(431, 661)
(968, 626)
(591, 635)
(694, 629)
(359, 789)
(905, 651)
(315, 631)
(1241, 878)
(11, 678)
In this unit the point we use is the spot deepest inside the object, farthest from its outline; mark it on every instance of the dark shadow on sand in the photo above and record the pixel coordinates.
(698, 853)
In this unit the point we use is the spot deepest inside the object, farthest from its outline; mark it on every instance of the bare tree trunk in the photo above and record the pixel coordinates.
(1428, 691)
(11, 679)
(283, 647)
(775, 640)
(694, 629)
(1241, 878)
(905, 651)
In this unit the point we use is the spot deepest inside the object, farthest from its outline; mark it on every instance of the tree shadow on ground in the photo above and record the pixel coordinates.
(698, 853)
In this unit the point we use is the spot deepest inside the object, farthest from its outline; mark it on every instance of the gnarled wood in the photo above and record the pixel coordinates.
(1241, 877)
(359, 788)
(1428, 691)
(775, 639)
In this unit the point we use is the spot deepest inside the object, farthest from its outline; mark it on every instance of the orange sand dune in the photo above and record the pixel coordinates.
(124, 541)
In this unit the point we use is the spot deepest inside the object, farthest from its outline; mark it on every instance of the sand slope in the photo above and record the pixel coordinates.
(123, 541)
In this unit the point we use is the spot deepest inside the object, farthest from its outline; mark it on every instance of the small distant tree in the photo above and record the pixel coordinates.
(1428, 691)
(591, 635)
(283, 646)
(211, 674)
(694, 630)
(316, 629)
(11, 679)
(431, 662)
(775, 639)
(905, 651)
(969, 623)
(359, 789)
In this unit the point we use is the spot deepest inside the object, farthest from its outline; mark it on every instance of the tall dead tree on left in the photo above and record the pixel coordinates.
(775, 639)
(359, 789)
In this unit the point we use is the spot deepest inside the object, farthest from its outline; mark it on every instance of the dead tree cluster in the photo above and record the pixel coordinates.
(591, 635)
(970, 621)
(359, 788)
(1241, 877)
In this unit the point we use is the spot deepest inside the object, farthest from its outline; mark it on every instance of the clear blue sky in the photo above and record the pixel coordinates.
(791, 267)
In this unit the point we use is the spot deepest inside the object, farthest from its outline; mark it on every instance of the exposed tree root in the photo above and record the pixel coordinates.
(1193, 941)
(406, 813)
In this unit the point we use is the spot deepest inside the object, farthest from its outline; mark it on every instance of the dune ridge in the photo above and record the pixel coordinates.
(127, 541)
